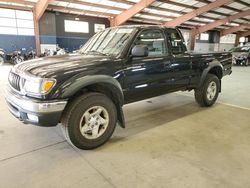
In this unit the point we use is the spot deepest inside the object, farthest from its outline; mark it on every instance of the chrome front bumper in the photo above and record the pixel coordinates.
(48, 113)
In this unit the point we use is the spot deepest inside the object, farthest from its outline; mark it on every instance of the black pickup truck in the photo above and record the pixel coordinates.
(85, 92)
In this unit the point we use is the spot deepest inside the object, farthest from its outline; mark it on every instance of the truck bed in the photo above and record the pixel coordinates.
(225, 58)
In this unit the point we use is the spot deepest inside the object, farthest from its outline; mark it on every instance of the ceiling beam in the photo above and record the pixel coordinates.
(21, 2)
(227, 7)
(79, 11)
(129, 13)
(40, 8)
(177, 21)
(203, 16)
(174, 11)
(15, 7)
(157, 12)
(193, 8)
(234, 29)
(217, 23)
(147, 21)
(115, 8)
(245, 34)
(243, 3)
(94, 4)
(224, 6)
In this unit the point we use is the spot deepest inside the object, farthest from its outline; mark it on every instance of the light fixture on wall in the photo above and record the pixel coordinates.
(77, 18)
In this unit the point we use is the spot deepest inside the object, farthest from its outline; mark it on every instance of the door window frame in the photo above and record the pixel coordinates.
(167, 52)
(167, 35)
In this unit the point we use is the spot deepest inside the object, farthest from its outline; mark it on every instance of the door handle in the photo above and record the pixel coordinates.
(167, 63)
(138, 68)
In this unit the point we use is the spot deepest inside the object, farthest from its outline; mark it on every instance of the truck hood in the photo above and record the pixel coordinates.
(62, 64)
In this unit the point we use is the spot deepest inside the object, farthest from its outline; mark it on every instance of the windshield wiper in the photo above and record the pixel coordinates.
(97, 52)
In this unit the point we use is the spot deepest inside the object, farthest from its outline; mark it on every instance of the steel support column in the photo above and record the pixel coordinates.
(38, 11)
(237, 40)
(37, 35)
(193, 38)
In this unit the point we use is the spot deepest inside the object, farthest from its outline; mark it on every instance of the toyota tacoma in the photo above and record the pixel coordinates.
(85, 92)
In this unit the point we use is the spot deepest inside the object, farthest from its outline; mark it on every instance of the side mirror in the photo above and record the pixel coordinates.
(139, 51)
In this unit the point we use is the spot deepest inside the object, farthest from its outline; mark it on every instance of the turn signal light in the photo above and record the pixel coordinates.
(47, 85)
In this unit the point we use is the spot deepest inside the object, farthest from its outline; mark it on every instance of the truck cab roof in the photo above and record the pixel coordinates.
(145, 26)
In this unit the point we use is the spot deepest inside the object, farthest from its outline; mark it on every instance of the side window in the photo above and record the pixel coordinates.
(154, 40)
(176, 42)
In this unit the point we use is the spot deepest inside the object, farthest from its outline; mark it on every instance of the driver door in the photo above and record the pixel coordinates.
(151, 75)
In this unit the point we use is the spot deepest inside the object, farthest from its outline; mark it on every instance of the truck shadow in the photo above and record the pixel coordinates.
(149, 114)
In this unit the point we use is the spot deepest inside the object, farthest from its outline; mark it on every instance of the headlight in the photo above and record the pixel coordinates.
(32, 86)
(38, 85)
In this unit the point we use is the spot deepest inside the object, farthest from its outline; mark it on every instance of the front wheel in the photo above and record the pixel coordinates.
(89, 121)
(208, 93)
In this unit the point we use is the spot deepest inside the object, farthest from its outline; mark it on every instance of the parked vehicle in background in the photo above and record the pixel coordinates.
(16, 57)
(60, 51)
(47, 52)
(241, 55)
(51, 52)
(30, 54)
(21, 55)
(85, 92)
(2, 56)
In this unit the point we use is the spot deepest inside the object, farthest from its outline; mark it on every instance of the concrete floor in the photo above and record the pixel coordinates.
(169, 142)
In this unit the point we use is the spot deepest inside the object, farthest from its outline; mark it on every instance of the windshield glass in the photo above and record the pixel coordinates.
(108, 42)
(241, 49)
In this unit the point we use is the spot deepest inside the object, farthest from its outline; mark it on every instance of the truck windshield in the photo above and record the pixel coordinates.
(109, 42)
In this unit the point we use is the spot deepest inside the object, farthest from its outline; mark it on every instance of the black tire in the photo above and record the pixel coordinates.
(247, 62)
(72, 118)
(201, 96)
(18, 60)
(1, 60)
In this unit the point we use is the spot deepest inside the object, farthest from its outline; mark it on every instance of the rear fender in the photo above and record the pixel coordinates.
(214, 65)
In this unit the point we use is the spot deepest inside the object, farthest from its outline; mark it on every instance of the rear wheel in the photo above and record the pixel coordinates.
(247, 62)
(89, 121)
(1, 60)
(208, 93)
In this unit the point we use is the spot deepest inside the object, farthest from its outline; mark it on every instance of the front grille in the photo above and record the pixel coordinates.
(14, 81)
